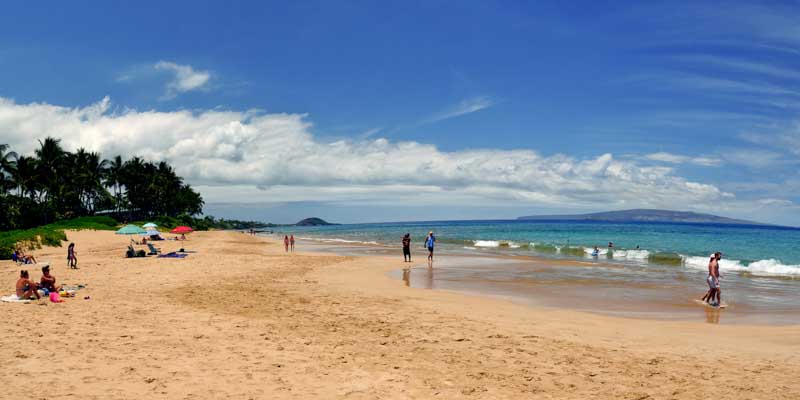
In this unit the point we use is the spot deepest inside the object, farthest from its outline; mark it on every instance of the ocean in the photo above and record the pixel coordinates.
(754, 249)
(664, 263)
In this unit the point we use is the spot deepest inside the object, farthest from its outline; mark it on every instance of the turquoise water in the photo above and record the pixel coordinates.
(757, 251)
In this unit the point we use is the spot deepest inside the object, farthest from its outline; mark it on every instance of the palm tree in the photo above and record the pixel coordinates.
(24, 176)
(113, 176)
(50, 157)
(7, 160)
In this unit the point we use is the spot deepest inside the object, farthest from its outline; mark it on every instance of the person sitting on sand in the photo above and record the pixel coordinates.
(26, 289)
(183, 236)
(26, 259)
(407, 247)
(48, 281)
(72, 260)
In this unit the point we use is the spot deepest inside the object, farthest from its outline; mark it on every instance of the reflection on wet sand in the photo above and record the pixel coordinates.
(423, 278)
(712, 315)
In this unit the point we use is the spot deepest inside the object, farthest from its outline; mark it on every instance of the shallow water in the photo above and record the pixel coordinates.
(760, 251)
(605, 287)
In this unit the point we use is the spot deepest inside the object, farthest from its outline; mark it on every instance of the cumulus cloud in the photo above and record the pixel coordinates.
(680, 159)
(185, 78)
(252, 156)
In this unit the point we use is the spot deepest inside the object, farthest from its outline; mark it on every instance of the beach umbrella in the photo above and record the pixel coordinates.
(149, 225)
(150, 232)
(130, 230)
(182, 229)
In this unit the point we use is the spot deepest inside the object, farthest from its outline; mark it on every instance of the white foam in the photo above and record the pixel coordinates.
(590, 251)
(513, 245)
(486, 243)
(762, 267)
(337, 240)
(470, 248)
(772, 267)
(634, 254)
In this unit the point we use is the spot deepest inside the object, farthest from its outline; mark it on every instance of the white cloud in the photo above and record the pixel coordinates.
(754, 158)
(679, 159)
(252, 156)
(776, 202)
(467, 106)
(185, 78)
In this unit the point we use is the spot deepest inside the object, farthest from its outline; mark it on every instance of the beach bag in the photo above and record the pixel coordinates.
(55, 298)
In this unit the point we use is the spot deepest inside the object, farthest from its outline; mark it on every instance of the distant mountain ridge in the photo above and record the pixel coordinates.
(644, 215)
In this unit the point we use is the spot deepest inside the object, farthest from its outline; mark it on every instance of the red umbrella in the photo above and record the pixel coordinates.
(182, 229)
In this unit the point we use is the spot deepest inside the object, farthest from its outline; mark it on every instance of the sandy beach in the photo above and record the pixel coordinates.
(242, 319)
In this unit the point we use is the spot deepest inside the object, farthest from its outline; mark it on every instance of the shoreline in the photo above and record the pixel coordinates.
(604, 288)
(242, 319)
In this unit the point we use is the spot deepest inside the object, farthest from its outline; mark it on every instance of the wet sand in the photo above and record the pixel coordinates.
(605, 287)
(242, 319)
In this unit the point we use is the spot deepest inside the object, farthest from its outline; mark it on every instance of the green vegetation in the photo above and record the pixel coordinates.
(54, 184)
(51, 190)
(49, 235)
(166, 223)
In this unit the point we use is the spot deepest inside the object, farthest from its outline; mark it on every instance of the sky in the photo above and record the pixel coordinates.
(397, 111)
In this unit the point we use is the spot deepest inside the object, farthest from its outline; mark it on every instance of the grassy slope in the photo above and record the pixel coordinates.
(50, 235)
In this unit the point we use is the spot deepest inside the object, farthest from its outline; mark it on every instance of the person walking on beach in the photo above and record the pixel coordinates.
(407, 248)
(291, 242)
(286, 243)
(429, 243)
(714, 294)
(72, 261)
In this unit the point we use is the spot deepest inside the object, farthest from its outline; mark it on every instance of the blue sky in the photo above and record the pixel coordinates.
(695, 104)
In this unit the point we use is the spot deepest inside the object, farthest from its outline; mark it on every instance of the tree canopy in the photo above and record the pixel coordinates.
(54, 184)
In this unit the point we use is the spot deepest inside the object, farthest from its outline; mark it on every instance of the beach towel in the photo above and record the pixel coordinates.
(14, 299)
(172, 255)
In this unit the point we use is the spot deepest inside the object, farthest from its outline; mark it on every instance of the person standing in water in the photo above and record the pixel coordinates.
(407, 248)
(286, 243)
(429, 243)
(714, 294)
(291, 243)
(72, 261)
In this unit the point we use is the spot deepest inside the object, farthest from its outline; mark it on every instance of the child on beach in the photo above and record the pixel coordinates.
(407, 248)
(72, 260)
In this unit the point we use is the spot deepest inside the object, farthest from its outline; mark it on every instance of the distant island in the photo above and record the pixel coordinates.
(313, 222)
(645, 215)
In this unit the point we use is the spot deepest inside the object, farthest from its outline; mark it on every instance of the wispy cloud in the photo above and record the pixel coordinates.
(467, 106)
(185, 78)
(369, 133)
(681, 159)
(743, 65)
(755, 158)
